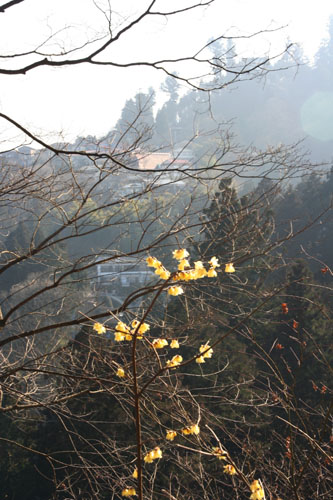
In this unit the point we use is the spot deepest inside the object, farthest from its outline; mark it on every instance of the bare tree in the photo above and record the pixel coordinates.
(90, 301)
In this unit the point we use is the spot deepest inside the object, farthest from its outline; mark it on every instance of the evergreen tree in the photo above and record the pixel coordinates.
(135, 125)
(223, 230)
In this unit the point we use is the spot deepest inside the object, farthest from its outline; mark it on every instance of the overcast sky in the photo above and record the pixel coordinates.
(88, 100)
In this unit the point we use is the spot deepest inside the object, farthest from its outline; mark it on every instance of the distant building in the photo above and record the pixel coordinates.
(116, 279)
(151, 161)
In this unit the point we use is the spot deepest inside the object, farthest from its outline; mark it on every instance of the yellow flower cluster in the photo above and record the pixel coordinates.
(197, 272)
(99, 328)
(229, 469)
(192, 429)
(175, 361)
(160, 270)
(257, 490)
(124, 332)
(207, 353)
(190, 275)
(159, 343)
(153, 455)
(128, 492)
(219, 453)
(170, 435)
(184, 272)
(163, 273)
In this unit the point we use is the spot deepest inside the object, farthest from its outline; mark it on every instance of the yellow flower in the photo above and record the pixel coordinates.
(175, 361)
(153, 262)
(159, 343)
(185, 275)
(182, 264)
(135, 473)
(219, 453)
(162, 273)
(120, 372)
(135, 324)
(198, 264)
(129, 337)
(229, 469)
(122, 332)
(175, 290)
(174, 344)
(257, 490)
(119, 336)
(150, 261)
(211, 273)
(199, 273)
(153, 455)
(170, 435)
(195, 429)
(148, 458)
(186, 431)
(180, 254)
(143, 328)
(214, 262)
(192, 429)
(99, 328)
(209, 351)
(229, 268)
(189, 275)
(157, 452)
(121, 327)
(200, 359)
(255, 485)
(128, 492)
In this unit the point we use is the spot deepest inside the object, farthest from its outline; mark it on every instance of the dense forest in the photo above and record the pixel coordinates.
(199, 363)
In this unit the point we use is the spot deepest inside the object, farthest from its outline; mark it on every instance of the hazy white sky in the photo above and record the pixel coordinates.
(88, 100)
